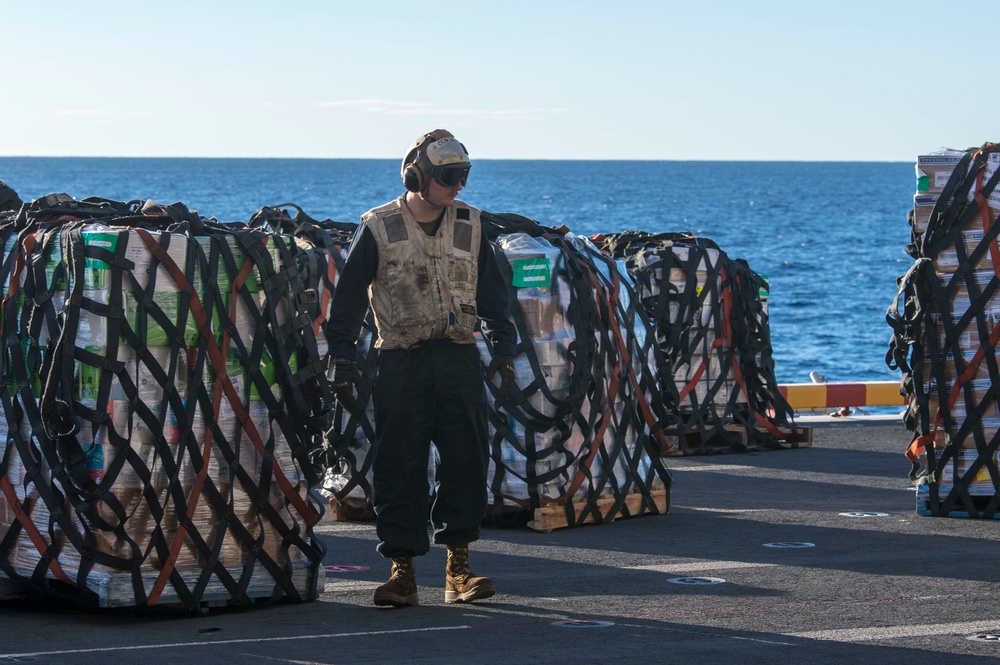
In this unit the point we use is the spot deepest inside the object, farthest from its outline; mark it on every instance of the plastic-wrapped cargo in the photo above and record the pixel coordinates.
(711, 325)
(579, 426)
(578, 439)
(933, 171)
(164, 457)
(946, 326)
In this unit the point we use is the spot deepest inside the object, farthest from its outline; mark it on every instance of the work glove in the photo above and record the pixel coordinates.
(346, 379)
(504, 365)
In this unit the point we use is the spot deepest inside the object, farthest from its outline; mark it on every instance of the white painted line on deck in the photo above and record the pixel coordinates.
(695, 466)
(338, 585)
(896, 632)
(703, 509)
(210, 642)
(699, 566)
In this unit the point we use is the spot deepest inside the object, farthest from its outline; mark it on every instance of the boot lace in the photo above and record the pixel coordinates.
(401, 568)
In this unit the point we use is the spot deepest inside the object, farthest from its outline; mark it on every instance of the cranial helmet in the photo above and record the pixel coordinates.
(439, 156)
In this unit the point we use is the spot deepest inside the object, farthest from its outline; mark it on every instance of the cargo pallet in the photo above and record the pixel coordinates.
(350, 512)
(546, 519)
(115, 590)
(553, 516)
(736, 438)
(979, 501)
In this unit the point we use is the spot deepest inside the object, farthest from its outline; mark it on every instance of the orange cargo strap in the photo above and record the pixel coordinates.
(222, 384)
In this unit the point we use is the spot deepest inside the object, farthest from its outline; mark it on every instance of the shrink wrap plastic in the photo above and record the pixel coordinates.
(190, 456)
(946, 321)
(570, 432)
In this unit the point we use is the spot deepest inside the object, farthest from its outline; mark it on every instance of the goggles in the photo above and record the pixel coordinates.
(449, 162)
(451, 175)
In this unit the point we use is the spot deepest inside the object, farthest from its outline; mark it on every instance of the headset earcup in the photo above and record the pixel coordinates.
(412, 179)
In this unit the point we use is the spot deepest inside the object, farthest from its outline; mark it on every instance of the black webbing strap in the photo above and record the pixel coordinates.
(735, 341)
(54, 435)
(224, 388)
(347, 454)
(308, 397)
(926, 334)
(43, 470)
(637, 424)
(76, 443)
(603, 405)
(508, 223)
(752, 363)
(540, 437)
(16, 404)
(60, 207)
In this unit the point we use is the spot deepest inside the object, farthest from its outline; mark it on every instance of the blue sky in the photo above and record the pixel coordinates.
(880, 80)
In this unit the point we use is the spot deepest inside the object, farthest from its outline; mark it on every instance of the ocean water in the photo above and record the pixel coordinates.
(828, 235)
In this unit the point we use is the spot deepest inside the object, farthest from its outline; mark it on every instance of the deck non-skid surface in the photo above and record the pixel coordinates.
(814, 554)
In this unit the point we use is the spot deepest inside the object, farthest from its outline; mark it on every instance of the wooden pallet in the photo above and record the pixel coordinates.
(349, 512)
(115, 589)
(737, 439)
(553, 516)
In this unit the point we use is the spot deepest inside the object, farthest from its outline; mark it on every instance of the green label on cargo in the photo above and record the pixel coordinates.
(531, 272)
(95, 274)
(923, 181)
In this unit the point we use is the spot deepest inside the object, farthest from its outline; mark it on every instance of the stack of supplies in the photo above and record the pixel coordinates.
(946, 320)
(710, 320)
(163, 393)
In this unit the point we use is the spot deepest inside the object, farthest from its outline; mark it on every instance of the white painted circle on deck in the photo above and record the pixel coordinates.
(696, 581)
(574, 623)
(864, 513)
(344, 569)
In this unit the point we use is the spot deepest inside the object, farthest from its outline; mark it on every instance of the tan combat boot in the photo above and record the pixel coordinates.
(460, 584)
(401, 589)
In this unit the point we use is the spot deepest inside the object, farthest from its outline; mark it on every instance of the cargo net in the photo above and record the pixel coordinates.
(163, 389)
(709, 315)
(346, 458)
(580, 434)
(946, 325)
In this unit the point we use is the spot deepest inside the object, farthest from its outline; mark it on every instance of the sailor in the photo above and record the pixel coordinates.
(422, 265)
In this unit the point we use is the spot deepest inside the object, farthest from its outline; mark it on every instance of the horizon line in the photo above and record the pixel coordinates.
(483, 159)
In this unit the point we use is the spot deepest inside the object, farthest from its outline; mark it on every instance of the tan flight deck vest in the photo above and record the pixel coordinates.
(425, 287)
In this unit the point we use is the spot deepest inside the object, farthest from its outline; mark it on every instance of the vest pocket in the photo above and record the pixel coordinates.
(461, 272)
(462, 280)
(410, 295)
(464, 320)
